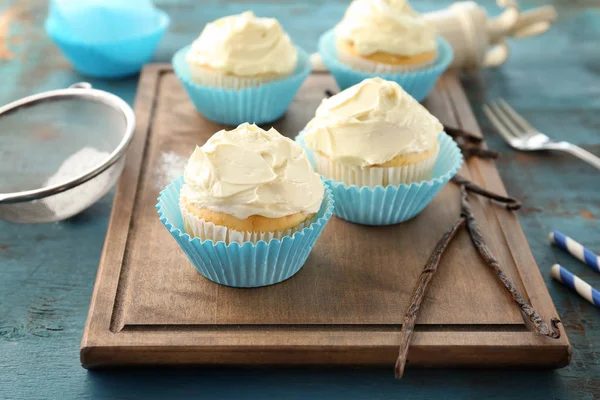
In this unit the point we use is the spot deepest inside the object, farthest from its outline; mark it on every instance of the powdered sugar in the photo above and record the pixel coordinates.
(169, 168)
(77, 164)
(75, 200)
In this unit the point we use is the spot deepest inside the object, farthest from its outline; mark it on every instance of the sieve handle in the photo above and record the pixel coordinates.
(81, 85)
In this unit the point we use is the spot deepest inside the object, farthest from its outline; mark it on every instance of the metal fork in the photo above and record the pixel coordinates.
(522, 136)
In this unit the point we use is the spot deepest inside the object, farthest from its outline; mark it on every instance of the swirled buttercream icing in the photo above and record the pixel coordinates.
(388, 26)
(244, 45)
(249, 171)
(371, 123)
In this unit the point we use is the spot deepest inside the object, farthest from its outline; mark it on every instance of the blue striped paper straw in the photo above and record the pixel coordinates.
(576, 250)
(577, 284)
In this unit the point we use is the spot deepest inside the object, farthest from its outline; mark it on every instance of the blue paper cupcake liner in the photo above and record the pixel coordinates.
(113, 59)
(393, 204)
(260, 104)
(417, 83)
(249, 264)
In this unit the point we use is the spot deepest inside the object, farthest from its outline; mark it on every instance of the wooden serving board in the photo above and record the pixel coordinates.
(345, 306)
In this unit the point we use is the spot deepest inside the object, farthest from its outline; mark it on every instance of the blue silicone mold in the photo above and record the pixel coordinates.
(417, 83)
(260, 104)
(110, 58)
(249, 264)
(393, 204)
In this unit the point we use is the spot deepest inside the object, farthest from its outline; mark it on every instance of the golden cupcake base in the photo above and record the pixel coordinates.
(218, 226)
(381, 62)
(402, 169)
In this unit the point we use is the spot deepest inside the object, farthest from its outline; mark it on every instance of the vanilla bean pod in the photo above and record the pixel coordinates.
(461, 133)
(469, 144)
(511, 202)
(470, 151)
(539, 325)
(410, 317)
(431, 266)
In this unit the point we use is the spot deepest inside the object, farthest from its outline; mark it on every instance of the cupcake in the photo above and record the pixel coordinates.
(250, 207)
(241, 51)
(383, 153)
(373, 134)
(248, 184)
(385, 38)
(242, 68)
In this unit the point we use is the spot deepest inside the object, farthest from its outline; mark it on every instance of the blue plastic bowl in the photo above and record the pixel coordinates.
(108, 59)
(104, 20)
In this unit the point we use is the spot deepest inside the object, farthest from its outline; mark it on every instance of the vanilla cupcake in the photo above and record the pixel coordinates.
(388, 39)
(373, 134)
(247, 185)
(242, 68)
(385, 36)
(249, 208)
(241, 51)
(383, 155)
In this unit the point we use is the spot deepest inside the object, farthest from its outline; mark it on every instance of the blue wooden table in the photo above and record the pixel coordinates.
(47, 271)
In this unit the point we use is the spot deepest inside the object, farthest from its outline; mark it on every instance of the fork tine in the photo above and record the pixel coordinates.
(508, 122)
(517, 118)
(504, 131)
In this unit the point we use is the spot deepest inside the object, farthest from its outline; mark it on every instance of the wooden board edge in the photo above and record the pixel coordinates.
(529, 271)
(447, 349)
(156, 68)
(97, 326)
(420, 355)
(126, 187)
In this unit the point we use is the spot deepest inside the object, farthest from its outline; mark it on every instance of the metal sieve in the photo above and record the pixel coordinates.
(61, 151)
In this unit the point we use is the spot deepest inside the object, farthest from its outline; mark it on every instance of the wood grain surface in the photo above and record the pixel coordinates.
(150, 306)
(47, 271)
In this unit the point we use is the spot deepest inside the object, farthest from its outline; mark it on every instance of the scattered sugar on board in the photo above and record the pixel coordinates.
(170, 167)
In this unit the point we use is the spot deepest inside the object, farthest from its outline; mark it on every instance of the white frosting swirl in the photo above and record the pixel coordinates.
(248, 171)
(370, 123)
(389, 26)
(244, 45)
